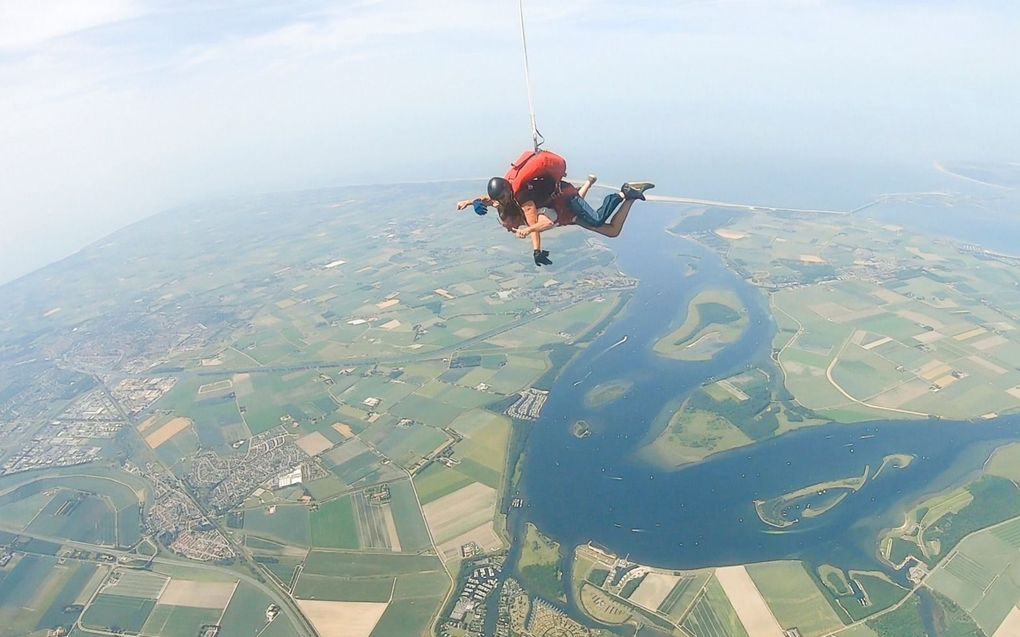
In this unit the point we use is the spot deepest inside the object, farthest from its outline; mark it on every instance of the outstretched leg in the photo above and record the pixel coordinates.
(615, 225)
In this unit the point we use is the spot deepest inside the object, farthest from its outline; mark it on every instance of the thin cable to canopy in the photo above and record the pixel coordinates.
(536, 137)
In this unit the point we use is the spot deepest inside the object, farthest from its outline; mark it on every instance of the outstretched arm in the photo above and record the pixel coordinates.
(467, 202)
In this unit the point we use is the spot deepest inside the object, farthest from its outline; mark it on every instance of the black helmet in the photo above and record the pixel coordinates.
(499, 188)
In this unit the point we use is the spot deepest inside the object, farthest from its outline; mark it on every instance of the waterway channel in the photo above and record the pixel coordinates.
(594, 489)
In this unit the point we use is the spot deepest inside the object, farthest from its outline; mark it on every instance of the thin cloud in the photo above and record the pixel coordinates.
(25, 24)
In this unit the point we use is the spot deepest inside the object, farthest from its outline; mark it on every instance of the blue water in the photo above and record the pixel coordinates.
(593, 489)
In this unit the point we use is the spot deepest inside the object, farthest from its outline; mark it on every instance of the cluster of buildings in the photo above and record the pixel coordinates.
(469, 610)
(529, 405)
(555, 292)
(135, 342)
(223, 482)
(60, 445)
(546, 619)
(136, 394)
(180, 525)
(68, 440)
(514, 606)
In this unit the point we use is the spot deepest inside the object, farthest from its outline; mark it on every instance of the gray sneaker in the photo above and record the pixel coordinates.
(636, 189)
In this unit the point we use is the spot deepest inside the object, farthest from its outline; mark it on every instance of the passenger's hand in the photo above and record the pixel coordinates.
(464, 204)
(542, 258)
(523, 231)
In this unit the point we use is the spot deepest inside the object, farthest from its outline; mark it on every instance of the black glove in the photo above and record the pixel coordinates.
(542, 258)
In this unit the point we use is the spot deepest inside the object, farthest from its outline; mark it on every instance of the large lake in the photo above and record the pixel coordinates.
(593, 489)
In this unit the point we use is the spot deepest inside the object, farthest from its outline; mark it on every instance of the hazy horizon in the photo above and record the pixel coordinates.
(118, 109)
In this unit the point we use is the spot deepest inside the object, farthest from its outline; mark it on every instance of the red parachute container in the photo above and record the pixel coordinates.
(534, 164)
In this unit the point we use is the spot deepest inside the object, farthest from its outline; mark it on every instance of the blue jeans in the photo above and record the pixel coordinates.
(592, 217)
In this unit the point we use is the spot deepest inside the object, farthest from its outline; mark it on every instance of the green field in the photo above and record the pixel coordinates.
(338, 589)
(116, 613)
(69, 592)
(411, 529)
(1005, 462)
(949, 620)
(692, 435)
(20, 506)
(81, 518)
(794, 598)
(179, 621)
(438, 480)
(712, 615)
(246, 615)
(410, 616)
(983, 577)
(684, 594)
(28, 591)
(283, 568)
(340, 564)
(106, 512)
(334, 526)
(288, 524)
(900, 348)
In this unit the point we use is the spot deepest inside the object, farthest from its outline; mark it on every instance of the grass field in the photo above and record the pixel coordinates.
(79, 517)
(283, 568)
(338, 589)
(20, 506)
(27, 592)
(692, 435)
(246, 615)
(131, 583)
(409, 616)
(411, 529)
(289, 524)
(794, 598)
(712, 615)
(438, 480)
(408, 446)
(68, 594)
(116, 613)
(684, 594)
(1005, 462)
(334, 526)
(893, 351)
(983, 576)
(110, 516)
(340, 564)
(178, 621)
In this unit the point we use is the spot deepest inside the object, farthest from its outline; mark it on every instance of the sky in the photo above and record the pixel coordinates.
(114, 110)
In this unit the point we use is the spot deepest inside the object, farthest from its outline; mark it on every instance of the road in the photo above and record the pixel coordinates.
(96, 548)
(283, 598)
